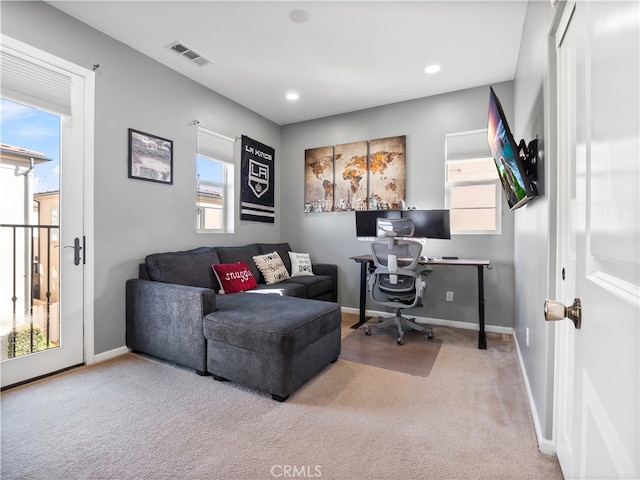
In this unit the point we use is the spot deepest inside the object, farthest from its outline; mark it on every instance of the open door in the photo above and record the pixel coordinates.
(596, 424)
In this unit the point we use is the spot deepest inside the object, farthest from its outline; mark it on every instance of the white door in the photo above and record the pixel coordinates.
(597, 401)
(75, 145)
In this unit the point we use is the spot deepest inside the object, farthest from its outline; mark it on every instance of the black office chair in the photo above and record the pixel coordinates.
(396, 281)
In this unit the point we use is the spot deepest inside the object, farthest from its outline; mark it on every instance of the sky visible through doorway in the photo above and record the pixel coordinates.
(33, 129)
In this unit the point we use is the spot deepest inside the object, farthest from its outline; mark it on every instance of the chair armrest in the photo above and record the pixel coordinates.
(165, 320)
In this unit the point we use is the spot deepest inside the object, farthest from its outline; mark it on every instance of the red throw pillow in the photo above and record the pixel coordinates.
(234, 277)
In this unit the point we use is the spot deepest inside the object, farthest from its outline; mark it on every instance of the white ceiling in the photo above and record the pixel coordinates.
(348, 56)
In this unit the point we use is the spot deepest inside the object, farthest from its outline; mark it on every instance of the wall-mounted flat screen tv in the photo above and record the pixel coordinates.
(517, 187)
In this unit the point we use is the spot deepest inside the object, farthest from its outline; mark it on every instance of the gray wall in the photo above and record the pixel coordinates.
(535, 223)
(134, 218)
(331, 237)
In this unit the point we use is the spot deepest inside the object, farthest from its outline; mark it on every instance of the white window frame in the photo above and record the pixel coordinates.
(218, 148)
(454, 162)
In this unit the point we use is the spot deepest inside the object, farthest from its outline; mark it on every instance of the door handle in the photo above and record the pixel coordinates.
(76, 250)
(557, 311)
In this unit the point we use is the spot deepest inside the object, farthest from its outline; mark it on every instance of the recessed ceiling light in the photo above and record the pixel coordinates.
(299, 16)
(432, 68)
(292, 96)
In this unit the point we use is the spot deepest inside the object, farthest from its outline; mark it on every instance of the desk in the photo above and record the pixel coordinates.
(366, 260)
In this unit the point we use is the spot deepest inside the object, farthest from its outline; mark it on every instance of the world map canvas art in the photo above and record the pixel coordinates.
(387, 173)
(351, 176)
(365, 175)
(318, 179)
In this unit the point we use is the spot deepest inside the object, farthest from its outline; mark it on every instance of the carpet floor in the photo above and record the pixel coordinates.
(134, 417)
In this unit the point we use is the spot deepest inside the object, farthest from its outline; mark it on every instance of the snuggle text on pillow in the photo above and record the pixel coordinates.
(242, 275)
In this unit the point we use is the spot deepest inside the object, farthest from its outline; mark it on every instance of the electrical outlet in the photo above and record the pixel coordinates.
(527, 335)
(449, 296)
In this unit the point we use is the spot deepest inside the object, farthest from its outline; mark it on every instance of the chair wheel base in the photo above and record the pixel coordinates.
(403, 324)
(278, 398)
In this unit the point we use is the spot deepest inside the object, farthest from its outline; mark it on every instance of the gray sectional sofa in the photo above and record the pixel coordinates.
(272, 338)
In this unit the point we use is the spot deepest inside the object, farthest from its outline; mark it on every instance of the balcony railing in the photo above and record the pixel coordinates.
(29, 313)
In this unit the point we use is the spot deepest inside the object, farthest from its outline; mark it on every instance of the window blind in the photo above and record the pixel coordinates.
(214, 145)
(471, 170)
(34, 84)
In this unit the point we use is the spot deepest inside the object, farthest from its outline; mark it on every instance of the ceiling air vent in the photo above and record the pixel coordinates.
(188, 53)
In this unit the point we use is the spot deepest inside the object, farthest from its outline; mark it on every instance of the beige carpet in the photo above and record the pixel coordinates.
(138, 418)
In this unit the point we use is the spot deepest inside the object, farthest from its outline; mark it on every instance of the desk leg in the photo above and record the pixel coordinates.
(482, 336)
(363, 295)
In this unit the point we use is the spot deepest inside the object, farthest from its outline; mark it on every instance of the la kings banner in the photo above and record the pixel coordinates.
(257, 178)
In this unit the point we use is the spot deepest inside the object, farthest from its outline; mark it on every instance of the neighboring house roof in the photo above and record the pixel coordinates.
(47, 193)
(11, 152)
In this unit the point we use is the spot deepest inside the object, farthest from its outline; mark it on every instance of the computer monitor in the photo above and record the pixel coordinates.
(430, 223)
(366, 221)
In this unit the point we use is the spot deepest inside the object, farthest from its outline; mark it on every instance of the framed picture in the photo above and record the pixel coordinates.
(150, 157)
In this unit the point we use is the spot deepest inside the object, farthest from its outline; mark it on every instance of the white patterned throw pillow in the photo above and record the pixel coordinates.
(272, 267)
(300, 264)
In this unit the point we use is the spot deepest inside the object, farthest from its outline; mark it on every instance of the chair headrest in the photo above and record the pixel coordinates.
(394, 227)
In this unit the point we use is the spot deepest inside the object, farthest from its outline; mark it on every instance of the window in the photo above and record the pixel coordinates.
(473, 193)
(214, 183)
(210, 187)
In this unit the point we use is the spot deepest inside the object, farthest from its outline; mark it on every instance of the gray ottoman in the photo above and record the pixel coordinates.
(271, 342)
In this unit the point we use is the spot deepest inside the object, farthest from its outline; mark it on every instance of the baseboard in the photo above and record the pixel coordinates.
(465, 325)
(349, 310)
(545, 445)
(108, 355)
(438, 321)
